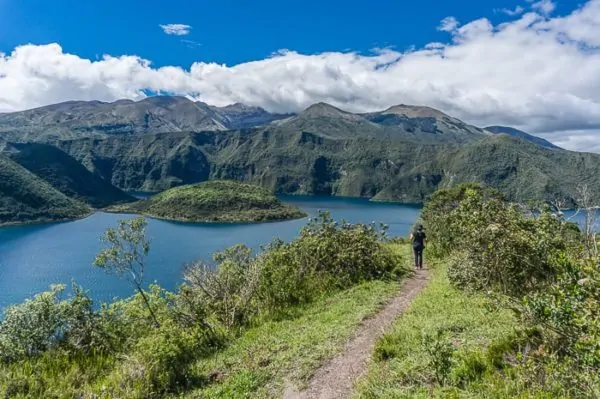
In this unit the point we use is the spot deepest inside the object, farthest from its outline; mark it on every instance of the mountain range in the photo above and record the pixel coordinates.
(402, 153)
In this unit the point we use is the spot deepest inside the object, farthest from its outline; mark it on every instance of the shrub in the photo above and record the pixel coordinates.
(226, 291)
(46, 321)
(496, 245)
(159, 362)
(326, 256)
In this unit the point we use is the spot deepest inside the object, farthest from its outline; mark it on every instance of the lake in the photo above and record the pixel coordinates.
(33, 257)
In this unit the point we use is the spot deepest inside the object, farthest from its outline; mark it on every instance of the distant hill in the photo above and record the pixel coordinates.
(402, 153)
(522, 135)
(66, 174)
(26, 198)
(214, 201)
(300, 162)
(241, 116)
(160, 114)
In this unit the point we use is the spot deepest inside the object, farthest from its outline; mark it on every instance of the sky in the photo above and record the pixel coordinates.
(529, 64)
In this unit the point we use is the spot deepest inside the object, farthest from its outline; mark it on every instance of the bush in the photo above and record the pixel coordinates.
(46, 322)
(159, 362)
(496, 245)
(326, 256)
(226, 291)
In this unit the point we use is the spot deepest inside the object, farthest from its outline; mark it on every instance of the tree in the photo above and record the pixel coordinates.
(126, 255)
(586, 204)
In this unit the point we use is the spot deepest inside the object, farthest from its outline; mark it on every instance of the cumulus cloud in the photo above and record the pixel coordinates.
(448, 24)
(518, 10)
(536, 73)
(176, 29)
(544, 6)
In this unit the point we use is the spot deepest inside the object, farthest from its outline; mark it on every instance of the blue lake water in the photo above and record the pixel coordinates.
(33, 257)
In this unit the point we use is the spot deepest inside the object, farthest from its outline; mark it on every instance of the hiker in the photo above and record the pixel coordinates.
(418, 239)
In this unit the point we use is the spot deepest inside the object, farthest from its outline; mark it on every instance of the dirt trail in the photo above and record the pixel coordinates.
(336, 378)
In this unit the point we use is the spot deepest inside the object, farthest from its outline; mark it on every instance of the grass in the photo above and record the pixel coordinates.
(258, 363)
(404, 362)
(253, 363)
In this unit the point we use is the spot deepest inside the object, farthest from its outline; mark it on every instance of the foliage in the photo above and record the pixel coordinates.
(496, 245)
(126, 253)
(26, 198)
(46, 322)
(543, 268)
(440, 351)
(227, 291)
(326, 256)
(220, 313)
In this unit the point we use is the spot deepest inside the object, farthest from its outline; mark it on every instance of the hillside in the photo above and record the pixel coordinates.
(160, 114)
(522, 135)
(214, 201)
(25, 198)
(402, 153)
(66, 174)
(310, 163)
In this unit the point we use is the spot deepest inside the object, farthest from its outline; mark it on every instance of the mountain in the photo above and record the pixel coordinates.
(76, 119)
(66, 174)
(424, 124)
(241, 116)
(402, 153)
(160, 114)
(308, 163)
(522, 135)
(26, 198)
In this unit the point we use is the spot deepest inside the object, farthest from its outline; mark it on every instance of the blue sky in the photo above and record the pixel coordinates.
(529, 64)
(231, 31)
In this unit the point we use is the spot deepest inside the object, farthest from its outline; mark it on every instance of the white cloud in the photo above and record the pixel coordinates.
(448, 24)
(191, 43)
(176, 29)
(518, 10)
(544, 6)
(536, 73)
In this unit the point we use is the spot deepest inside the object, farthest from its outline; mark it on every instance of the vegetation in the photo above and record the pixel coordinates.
(210, 336)
(441, 347)
(324, 161)
(25, 198)
(404, 153)
(512, 311)
(67, 175)
(214, 201)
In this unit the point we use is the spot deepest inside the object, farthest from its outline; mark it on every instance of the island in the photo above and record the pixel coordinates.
(218, 201)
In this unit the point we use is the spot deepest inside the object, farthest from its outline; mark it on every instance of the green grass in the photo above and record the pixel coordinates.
(257, 364)
(401, 366)
(253, 363)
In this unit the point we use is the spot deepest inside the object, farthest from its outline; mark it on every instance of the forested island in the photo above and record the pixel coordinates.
(213, 201)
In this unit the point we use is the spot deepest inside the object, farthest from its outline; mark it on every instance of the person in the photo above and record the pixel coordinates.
(418, 239)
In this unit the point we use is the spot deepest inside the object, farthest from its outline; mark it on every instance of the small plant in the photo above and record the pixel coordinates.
(440, 351)
(126, 255)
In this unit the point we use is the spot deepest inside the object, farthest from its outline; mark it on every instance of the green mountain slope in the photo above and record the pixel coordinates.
(67, 175)
(309, 163)
(402, 153)
(521, 134)
(215, 201)
(25, 198)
